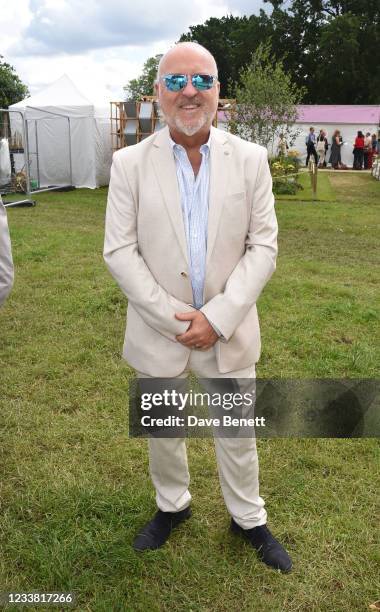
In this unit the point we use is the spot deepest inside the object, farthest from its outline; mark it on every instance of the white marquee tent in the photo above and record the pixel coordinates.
(56, 116)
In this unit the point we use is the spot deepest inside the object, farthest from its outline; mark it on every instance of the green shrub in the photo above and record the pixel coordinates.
(286, 186)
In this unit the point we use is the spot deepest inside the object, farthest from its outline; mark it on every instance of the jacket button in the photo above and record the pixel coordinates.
(184, 274)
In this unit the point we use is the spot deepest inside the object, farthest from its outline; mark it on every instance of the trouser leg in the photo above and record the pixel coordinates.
(237, 459)
(168, 465)
(169, 473)
(238, 468)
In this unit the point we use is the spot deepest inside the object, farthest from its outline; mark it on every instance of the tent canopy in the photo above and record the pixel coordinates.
(58, 115)
(60, 97)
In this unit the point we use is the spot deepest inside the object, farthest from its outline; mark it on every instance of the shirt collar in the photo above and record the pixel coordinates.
(205, 148)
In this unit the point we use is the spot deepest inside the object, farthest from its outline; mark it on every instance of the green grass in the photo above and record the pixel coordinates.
(75, 488)
(325, 191)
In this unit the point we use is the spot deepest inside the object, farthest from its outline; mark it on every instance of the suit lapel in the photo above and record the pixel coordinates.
(164, 166)
(219, 175)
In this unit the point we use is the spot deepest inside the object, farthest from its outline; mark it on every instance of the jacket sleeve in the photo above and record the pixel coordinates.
(6, 263)
(227, 310)
(121, 254)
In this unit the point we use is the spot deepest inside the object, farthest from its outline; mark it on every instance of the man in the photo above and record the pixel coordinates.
(191, 240)
(6, 263)
(310, 146)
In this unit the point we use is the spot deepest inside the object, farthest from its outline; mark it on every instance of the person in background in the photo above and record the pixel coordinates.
(310, 146)
(358, 151)
(335, 157)
(6, 263)
(322, 146)
(375, 145)
(367, 151)
(282, 147)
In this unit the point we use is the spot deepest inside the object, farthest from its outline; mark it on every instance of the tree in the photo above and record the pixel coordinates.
(331, 48)
(341, 62)
(12, 89)
(143, 85)
(266, 100)
(231, 40)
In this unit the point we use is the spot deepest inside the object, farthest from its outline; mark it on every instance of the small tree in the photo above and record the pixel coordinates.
(12, 89)
(143, 85)
(266, 100)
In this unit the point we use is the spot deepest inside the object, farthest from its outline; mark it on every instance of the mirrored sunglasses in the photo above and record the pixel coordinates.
(176, 82)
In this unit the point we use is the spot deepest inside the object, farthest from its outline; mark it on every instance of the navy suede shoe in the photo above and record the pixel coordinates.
(156, 532)
(269, 550)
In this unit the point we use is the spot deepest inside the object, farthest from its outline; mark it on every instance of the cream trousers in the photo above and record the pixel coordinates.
(237, 459)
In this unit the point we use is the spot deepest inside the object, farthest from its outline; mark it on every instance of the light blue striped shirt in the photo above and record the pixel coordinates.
(194, 192)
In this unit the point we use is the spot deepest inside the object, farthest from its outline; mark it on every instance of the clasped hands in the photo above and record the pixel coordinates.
(200, 334)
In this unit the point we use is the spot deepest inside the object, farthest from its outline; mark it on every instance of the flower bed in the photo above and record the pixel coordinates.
(284, 170)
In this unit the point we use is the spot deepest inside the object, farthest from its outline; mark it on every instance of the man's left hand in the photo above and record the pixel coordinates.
(200, 334)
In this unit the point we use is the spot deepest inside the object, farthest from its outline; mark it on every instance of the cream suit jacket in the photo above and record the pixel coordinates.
(6, 263)
(146, 250)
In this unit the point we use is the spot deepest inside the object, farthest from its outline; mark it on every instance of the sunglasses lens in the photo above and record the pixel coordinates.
(202, 81)
(175, 82)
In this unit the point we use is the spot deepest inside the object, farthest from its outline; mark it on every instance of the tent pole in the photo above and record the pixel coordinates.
(38, 163)
(26, 155)
(71, 166)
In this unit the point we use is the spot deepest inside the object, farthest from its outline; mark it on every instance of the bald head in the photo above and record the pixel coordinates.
(181, 52)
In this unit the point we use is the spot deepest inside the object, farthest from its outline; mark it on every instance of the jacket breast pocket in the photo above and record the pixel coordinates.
(235, 197)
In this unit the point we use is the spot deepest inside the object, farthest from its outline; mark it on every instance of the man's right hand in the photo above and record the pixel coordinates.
(200, 334)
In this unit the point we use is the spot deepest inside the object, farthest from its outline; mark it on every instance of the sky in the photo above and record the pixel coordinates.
(99, 44)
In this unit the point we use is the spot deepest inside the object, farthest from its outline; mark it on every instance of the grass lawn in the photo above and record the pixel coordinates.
(75, 488)
(325, 191)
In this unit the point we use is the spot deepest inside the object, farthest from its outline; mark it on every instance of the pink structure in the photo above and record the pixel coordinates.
(330, 117)
(338, 114)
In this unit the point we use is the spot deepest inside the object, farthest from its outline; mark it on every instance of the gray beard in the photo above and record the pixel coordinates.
(188, 130)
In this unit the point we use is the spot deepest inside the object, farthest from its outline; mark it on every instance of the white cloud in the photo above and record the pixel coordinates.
(98, 75)
(99, 44)
(74, 26)
(15, 18)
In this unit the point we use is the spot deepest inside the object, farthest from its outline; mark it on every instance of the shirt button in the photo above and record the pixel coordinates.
(184, 274)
